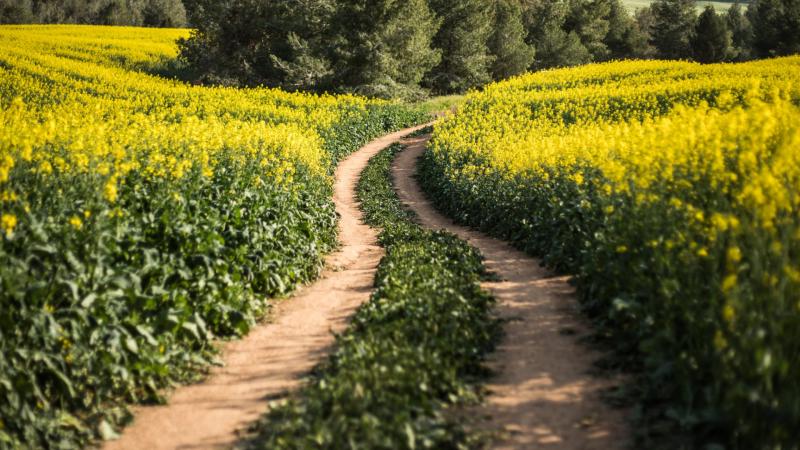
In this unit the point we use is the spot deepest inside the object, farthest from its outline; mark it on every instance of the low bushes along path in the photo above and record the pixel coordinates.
(542, 395)
(274, 357)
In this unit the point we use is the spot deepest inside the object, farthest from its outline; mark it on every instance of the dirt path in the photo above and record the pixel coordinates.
(274, 357)
(542, 395)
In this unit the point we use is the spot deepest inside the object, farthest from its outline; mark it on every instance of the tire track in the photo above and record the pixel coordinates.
(274, 357)
(542, 395)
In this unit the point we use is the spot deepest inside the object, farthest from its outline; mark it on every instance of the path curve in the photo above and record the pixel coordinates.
(542, 395)
(274, 357)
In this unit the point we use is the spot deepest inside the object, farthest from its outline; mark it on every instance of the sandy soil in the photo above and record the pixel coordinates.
(276, 356)
(542, 395)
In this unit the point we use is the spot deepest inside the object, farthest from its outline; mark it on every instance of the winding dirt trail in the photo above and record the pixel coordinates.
(542, 395)
(276, 356)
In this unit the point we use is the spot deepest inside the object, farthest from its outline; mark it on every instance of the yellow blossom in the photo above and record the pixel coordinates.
(76, 222)
(8, 222)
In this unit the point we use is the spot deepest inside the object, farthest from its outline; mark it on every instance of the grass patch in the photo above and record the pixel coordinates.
(440, 104)
(415, 349)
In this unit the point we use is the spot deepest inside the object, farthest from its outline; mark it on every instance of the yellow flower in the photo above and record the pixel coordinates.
(728, 313)
(76, 222)
(729, 283)
(734, 255)
(8, 222)
(622, 249)
(720, 343)
(110, 190)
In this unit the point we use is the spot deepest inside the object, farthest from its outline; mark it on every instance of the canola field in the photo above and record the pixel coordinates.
(141, 217)
(671, 191)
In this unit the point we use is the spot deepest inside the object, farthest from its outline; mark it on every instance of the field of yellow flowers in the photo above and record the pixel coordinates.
(672, 191)
(140, 217)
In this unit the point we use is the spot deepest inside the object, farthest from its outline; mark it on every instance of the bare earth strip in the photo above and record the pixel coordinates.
(542, 395)
(274, 357)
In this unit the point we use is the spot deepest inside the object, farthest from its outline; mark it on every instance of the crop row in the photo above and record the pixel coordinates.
(141, 218)
(415, 348)
(672, 192)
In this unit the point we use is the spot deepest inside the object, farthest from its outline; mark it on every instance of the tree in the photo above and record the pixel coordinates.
(711, 41)
(164, 13)
(16, 11)
(383, 47)
(673, 27)
(625, 37)
(741, 32)
(373, 47)
(555, 47)
(462, 40)
(776, 26)
(512, 55)
(589, 19)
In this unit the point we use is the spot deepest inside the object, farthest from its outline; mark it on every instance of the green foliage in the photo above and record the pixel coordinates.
(626, 38)
(149, 13)
(462, 39)
(776, 27)
(673, 27)
(128, 302)
(716, 360)
(382, 48)
(512, 55)
(712, 39)
(414, 349)
(741, 32)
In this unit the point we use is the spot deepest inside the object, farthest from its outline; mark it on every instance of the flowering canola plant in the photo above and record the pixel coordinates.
(142, 216)
(672, 191)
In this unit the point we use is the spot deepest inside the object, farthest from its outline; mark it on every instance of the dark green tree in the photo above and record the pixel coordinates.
(374, 47)
(512, 55)
(673, 27)
(589, 19)
(558, 48)
(711, 41)
(271, 42)
(555, 47)
(625, 38)
(463, 42)
(741, 32)
(164, 13)
(16, 11)
(776, 27)
(383, 47)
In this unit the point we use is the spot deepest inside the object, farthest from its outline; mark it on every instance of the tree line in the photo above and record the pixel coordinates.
(149, 13)
(409, 48)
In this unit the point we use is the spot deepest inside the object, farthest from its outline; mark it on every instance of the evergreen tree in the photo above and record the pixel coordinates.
(711, 41)
(270, 42)
(673, 27)
(512, 55)
(589, 19)
(462, 40)
(626, 38)
(555, 47)
(741, 32)
(383, 47)
(16, 11)
(776, 26)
